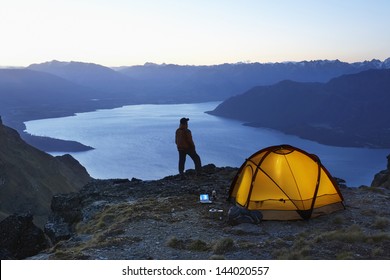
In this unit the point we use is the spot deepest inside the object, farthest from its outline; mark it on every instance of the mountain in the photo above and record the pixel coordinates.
(27, 94)
(219, 82)
(90, 75)
(33, 94)
(170, 83)
(29, 177)
(346, 111)
(56, 89)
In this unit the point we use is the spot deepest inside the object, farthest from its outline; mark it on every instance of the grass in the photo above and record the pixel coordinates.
(190, 245)
(298, 249)
(223, 246)
(294, 253)
(176, 243)
(198, 245)
(218, 248)
(351, 242)
(116, 214)
(345, 255)
(381, 223)
(106, 228)
(338, 220)
(352, 234)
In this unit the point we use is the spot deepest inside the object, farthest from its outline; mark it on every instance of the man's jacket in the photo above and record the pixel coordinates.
(184, 139)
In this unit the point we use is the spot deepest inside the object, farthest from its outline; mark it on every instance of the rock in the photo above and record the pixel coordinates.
(163, 219)
(20, 238)
(209, 168)
(382, 179)
(66, 212)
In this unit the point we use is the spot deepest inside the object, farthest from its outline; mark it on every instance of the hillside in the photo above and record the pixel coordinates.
(27, 95)
(346, 111)
(29, 178)
(163, 219)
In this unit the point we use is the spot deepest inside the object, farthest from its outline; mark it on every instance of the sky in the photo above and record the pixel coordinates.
(192, 32)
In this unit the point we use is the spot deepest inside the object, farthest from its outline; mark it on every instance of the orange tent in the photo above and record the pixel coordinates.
(285, 183)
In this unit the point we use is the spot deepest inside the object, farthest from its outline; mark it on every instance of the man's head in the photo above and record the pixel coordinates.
(184, 121)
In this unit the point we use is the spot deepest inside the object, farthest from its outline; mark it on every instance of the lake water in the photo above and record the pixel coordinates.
(138, 141)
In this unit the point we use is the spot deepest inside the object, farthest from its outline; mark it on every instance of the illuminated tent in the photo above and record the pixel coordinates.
(285, 183)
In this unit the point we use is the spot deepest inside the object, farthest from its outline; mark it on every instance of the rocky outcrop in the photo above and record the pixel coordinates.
(20, 238)
(382, 179)
(66, 212)
(163, 219)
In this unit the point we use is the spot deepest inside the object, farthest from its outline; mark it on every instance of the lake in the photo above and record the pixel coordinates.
(138, 141)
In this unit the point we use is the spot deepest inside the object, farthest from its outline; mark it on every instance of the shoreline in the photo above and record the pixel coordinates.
(48, 144)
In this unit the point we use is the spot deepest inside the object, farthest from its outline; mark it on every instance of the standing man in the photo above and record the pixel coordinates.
(186, 146)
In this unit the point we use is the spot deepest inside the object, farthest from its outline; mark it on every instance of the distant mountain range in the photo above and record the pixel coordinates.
(170, 83)
(54, 89)
(351, 110)
(30, 177)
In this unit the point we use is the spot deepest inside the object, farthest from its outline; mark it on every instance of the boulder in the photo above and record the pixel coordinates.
(382, 179)
(20, 237)
(66, 212)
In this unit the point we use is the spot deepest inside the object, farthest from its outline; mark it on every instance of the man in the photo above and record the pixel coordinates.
(186, 146)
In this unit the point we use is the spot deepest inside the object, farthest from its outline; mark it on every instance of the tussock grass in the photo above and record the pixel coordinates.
(381, 223)
(298, 249)
(175, 243)
(353, 234)
(223, 246)
(111, 215)
(104, 220)
(191, 245)
(338, 220)
(345, 255)
(198, 245)
(217, 257)
(246, 244)
(106, 227)
(294, 253)
(380, 237)
(377, 252)
(369, 212)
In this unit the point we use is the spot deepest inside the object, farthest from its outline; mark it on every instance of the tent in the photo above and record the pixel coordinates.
(285, 183)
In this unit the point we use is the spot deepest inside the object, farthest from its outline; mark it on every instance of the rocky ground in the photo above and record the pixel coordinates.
(163, 219)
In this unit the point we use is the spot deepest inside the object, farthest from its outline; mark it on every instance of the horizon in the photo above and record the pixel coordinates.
(128, 33)
(190, 65)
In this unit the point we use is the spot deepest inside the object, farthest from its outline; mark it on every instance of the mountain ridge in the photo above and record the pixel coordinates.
(347, 111)
(66, 88)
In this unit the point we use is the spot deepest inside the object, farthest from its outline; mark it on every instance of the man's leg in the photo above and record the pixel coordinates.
(182, 161)
(196, 158)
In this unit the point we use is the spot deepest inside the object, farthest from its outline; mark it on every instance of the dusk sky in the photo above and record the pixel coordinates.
(194, 32)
